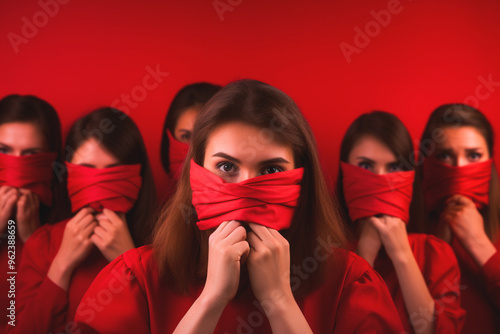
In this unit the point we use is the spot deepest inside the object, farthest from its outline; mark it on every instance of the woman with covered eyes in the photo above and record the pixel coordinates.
(375, 192)
(461, 194)
(249, 241)
(112, 194)
(178, 126)
(30, 143)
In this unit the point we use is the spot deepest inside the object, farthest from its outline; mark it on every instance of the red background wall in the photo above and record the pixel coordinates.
(87, 54)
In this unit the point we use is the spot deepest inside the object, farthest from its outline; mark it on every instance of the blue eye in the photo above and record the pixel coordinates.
(272, 170)
(365, 165)
(474, 156)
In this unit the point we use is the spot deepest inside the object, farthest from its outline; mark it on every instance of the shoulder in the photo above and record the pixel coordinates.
(430, 247)
(46, 237)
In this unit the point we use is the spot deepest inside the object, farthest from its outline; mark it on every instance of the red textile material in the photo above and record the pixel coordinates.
(442, 181)
(353, 299)
(368, 194)
(269, 200)
(441, 273)
(480, 291)
(33, 172)
(114, 188)
(42, 306)
(177, 154)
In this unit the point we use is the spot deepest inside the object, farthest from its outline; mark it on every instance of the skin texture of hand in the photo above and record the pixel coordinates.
(112, 235)
(227, 250)
(27, 214)
(75, 247)
(8, 198)
(394, 237)
(369, 242)
(269, 271)
(467, 224)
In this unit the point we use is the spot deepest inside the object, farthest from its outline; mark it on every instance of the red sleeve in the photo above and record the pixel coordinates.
(127, 309)
(442, 275)
(490, 275)
(365, 305)
(41, 304)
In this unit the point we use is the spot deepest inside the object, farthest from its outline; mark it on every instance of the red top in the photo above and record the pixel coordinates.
(480, 291)
(127, 297)
(441, 273)
(43, 306)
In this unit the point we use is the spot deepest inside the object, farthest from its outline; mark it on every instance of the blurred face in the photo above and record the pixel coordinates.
(185, 123)
(371, 154)
(21, 139)
(235, 154)
(462, 146)
(92, 154)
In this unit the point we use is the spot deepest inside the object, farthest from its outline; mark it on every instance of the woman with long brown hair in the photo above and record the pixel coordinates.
(111, 189)
(458, 185)
(374, 188)
(30, 193)
(250, 241)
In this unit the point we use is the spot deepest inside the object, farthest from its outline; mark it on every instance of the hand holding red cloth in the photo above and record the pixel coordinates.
(268, 200)
(177, 154)
(115, 188)
(441, 181)
(33, 172)
(368, 194)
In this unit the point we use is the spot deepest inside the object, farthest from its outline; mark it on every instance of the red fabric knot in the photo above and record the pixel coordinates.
(33, 172)
(269, 200)
(441, 181)
(115, 188)
(177, 154)
(368, 194)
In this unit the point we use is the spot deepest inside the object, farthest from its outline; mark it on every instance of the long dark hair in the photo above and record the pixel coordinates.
(122, 138)
(181, 249)
(385, 127)
(191, 96)
(455, 116)
(33, 110)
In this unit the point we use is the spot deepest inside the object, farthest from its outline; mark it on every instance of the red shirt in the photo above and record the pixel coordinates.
(480, 288)
(127, 297)
(441, 273)
(43, 306)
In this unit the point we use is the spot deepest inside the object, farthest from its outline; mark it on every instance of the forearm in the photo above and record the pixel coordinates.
(418, 300)
(481, 249)
(285, 316)
(202, 317)
(60, 273)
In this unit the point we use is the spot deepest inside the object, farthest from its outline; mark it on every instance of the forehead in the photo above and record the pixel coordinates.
(462, 137)
(372, 148)
(244, 141)
(21, 134)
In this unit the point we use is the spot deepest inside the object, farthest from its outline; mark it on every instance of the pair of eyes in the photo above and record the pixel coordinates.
(229, 168)
(5, 150)
(446, 157)
(391, 168)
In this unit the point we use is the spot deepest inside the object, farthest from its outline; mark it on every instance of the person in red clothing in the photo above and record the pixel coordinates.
(179, 122)
(250, 241)
(112, 196)
(458, 184)
(374, 188)
(30, 142)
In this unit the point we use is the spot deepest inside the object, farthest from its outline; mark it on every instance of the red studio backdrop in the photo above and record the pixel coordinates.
(336, 59)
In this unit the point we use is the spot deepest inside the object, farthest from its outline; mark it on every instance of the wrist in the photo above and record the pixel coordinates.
(402, 256)
(212, 301)
(482, 249)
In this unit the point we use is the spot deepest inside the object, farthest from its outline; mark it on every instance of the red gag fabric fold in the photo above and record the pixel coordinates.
(33, 172)
(177, 154)
(114, 188)
(268, 200)
(441, 181)
(368, 194)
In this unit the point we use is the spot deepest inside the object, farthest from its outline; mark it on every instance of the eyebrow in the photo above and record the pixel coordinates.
(265, 162)
(365, 158)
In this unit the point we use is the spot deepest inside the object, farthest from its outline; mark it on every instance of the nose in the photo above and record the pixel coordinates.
(246, 174)
(461, 161)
